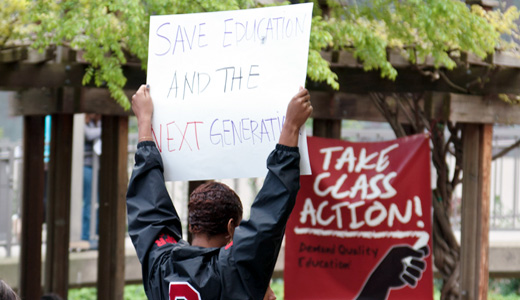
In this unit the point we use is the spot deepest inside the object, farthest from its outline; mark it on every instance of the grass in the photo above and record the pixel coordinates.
(494, 294)
(136, 292)
(132, 292)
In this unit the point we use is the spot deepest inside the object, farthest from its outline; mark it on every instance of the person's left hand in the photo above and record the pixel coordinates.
(142, 104)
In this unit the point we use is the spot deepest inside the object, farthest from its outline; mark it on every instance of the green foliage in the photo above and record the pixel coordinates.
(82, 294)
(277, 287)
(502, 23)
(108, 33)
(418, 30)
(511, 99)
(507, 287)
(135, 292)
(318, 69)
(13, 28)
(502, 297)
(132, 292)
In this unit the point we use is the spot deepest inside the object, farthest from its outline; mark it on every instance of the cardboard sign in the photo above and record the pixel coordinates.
(220, 84)
(361, 226)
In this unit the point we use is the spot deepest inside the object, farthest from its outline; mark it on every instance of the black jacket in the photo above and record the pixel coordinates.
(238, 271)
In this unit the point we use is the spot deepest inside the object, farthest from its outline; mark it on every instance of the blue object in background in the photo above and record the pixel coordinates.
(47, 139)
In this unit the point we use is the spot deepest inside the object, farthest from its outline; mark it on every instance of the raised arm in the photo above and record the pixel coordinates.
(150, 209)
(298, 111)
(142, 107)
(256, 242)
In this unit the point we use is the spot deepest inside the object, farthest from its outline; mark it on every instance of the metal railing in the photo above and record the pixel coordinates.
(10, 178)
(505, 181)
(505, 184)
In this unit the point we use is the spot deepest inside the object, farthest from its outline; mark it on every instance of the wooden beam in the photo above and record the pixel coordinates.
(326, 128)
(484, 3)
(35, 57)
(352, 79)
(506, 59)
(98, 100)
(40, 101)
(338, 105)
(13, 55)
(58, 206)
(32, 208)
(438, 106)
(28, 102)
(51, 75)
(112, 211)
(346, 58)
(409, 80)
(477, 148)
(55, 75)
(479, 109)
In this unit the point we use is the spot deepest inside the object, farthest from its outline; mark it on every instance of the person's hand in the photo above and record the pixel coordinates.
(393, 272)
(269, 294)
(143, 109)
(298, 111)
(142, 103)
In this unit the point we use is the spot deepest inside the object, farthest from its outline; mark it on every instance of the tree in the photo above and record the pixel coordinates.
(12, 27)
(109, 34)
(444, 31)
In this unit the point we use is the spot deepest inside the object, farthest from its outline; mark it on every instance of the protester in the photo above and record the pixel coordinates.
(92, 139)
(224, 261)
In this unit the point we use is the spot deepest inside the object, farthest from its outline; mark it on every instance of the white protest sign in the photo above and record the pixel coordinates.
(220, 84)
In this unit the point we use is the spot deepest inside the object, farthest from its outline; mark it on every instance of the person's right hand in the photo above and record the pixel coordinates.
(269, 294)
(298, 111)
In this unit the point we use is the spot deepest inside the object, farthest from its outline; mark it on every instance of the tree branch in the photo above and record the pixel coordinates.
(506, 150)
(450, 83)
(399, 100)
(379, 101)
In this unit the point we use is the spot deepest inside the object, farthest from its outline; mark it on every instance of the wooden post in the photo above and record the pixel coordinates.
(477, 147)
(32, 208)
(326, 128)
(113, 181)
(58, 206)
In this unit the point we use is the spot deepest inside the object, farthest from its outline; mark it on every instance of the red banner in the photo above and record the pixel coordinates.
(361, 226)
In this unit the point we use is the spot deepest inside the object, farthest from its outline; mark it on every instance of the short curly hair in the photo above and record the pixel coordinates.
(211, 206)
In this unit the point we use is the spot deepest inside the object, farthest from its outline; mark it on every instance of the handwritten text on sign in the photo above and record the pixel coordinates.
(362, 222)
(220, 83)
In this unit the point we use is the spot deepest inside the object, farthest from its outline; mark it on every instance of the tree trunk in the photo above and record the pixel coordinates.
(446, 249)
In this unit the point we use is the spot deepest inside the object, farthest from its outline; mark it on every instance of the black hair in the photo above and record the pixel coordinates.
(211, 206)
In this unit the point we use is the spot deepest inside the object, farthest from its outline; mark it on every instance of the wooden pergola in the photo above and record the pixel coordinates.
(47, 85)
(51, 86)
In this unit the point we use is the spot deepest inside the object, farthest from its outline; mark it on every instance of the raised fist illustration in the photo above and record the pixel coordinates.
(394, 271)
